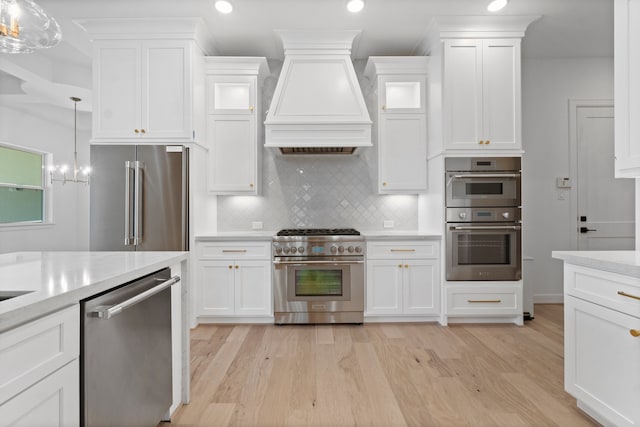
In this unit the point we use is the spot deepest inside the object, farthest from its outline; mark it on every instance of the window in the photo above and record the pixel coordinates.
(22, 190)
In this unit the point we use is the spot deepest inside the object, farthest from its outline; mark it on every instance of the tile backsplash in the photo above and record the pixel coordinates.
(323, 191)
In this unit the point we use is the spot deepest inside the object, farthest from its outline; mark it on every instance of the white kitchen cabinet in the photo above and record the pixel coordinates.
(400, 116)
(143, 91)
(233, 134)
(403, 279)
(482, 94)
(627, 88)
(39, 381)
(234, 281)
(602, 343)
(480, 300)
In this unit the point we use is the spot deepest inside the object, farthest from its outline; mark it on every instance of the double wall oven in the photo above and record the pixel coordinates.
(484, 227)
(318, 276)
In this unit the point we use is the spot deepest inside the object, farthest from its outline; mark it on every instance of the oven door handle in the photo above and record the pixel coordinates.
(316, 262)
(486, 227)
(485, 175)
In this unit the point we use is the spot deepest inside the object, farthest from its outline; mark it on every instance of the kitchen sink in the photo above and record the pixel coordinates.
(5, 295)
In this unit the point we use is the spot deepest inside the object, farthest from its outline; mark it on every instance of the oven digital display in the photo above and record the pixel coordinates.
(317, 249)
(318, 283)
(484, 214)
(483, 188)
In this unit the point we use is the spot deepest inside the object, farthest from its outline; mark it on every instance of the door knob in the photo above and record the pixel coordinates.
(586, 230)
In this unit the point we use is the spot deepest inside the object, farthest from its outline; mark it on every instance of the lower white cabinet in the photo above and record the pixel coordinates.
(403, 279)
(602, 344)
(39, 378)
(234, 280)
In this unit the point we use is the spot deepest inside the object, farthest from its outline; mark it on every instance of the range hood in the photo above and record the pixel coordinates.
(317, 106)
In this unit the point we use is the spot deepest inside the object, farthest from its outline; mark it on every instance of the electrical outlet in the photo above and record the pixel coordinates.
(388, 224)
(256, 225)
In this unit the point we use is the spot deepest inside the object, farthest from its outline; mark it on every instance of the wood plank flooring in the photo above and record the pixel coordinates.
(381, 375)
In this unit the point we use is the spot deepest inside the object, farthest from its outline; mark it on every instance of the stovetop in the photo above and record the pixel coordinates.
(318, 232)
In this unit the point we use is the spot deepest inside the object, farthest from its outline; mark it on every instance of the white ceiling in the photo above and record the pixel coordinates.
(389, 27)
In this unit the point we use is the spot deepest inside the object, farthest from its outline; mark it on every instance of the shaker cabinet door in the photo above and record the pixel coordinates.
(384, 287)
(216, 287)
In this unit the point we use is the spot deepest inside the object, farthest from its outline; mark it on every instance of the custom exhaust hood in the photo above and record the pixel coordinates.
(317, 106)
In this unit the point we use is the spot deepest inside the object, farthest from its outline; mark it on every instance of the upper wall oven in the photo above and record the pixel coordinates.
(483, 181)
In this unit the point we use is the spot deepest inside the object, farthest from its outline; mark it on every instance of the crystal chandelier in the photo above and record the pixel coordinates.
(24, 27)
(80, 173)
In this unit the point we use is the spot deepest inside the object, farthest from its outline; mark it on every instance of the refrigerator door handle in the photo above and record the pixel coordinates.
(128, 217)
(137, 202)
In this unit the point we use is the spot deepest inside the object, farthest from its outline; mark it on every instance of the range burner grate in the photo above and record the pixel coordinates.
(318, 232)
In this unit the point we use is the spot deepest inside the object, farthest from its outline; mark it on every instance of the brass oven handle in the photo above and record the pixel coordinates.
(485, 175)
(316, 262)
(495, 301)
(234, 251)
(624, 294)
(486, 227)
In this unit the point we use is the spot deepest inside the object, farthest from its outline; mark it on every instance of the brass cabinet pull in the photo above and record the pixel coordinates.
(143, 131)
(230, 267)
(487, 142)
(634, 333)
(493, 301)
(136, 131)
(481, 142)
(406, 266)
(234, 251)
(384, 184)
(250, 185)
(251, 108)
(399, 265)
(402, 250)
(237, 267)
(384, 107)
(624, 294)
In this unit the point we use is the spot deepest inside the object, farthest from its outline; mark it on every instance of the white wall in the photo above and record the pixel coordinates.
(50, 129)
(547, 86)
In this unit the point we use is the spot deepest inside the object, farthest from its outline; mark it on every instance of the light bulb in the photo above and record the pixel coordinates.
(224, 6)
(496, 5)
(355, 6)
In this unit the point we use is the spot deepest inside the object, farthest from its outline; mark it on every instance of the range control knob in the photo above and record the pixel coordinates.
(341, 249)
(505, 215)
(301, 249)
(278, 250)
(294, 250)
(350, 249)
(462, 215)
(286, 250)
(334, 249)
(358, 249)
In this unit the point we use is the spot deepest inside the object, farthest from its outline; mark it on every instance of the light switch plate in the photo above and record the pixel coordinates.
(563, 182)
(256, 225)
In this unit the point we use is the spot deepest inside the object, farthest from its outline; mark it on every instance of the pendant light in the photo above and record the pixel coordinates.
(24, 27)
(80, 173)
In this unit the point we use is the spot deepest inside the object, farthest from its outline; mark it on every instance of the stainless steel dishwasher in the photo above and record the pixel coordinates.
(126, 353)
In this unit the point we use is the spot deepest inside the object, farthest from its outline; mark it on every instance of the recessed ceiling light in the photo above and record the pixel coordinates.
(223, 6)
(496, 5)
(355, 6)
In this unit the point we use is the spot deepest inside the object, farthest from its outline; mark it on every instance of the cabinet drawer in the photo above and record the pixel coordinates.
(32, 351)
(484, 300)
(611, 290)
(234, 250)
(408, 249)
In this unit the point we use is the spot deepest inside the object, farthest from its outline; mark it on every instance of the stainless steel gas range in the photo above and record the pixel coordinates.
(318, 276)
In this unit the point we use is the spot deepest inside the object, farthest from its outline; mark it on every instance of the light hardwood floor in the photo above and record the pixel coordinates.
(381, 375)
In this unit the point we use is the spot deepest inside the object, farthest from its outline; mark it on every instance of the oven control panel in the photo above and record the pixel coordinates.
(483, 214)
(311, 249)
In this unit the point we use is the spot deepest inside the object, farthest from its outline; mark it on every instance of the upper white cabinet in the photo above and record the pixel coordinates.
(627, 88)
(146, 80)
(234, 121)
(400, 121)
(482, 94)
(475, 84)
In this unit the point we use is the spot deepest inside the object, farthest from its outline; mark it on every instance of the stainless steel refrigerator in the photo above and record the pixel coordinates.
(139, 198)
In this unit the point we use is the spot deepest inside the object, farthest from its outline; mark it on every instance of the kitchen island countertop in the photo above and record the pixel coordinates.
(621, 262)
(54, 280)
(268, 235)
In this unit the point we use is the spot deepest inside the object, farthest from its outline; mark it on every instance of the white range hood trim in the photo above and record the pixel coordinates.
(287, 125)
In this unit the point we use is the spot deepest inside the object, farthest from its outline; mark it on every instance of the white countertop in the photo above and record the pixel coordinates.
(59, 279)
(621, 262)
(268, 235)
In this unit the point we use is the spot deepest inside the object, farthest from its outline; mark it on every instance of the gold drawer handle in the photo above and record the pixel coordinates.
(493, 301)
(143, 131)
(251, 108)
(234, 251)
(481, 142)
(406, 266)
(230, 267)
(136, 131)
(487, 142)
(237, 267)
(624, 294)
(634, 333)
(403, 250)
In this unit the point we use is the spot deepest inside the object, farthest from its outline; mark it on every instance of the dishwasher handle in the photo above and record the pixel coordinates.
(107, 312)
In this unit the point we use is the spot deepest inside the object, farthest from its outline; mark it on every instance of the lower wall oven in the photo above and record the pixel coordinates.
(318, 280)
(484, 244)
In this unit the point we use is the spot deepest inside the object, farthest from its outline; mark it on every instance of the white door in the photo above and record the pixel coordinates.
(606, 218)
